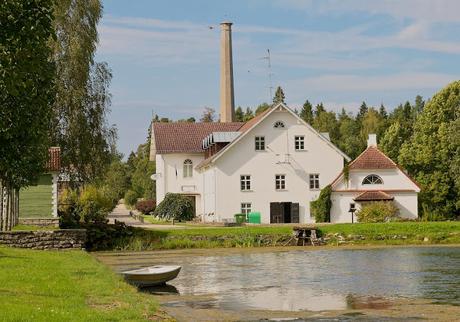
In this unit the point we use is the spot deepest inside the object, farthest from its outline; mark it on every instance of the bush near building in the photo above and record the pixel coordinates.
(380, 211)
(175, 207)
(146, 207)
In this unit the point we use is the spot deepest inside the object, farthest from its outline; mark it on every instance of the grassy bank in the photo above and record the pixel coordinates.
(398, 233)
(66, 286)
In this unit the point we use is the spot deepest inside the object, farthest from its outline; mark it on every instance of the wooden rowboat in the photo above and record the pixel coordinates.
(153, 275)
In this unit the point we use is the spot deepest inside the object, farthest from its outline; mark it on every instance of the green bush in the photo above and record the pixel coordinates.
(131, 197)
(93, 206)
(67, 211)
(321, 207)
(379, 211)
(175, 207)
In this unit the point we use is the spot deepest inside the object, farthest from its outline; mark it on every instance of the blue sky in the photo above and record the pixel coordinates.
(165, 58)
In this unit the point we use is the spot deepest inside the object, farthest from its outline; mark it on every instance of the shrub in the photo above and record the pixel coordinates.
(321, 207)
(104, 236)
(67, 210)
(93, 206)
(146, 206)
(176, 207)
(131, 197)
(380, 211)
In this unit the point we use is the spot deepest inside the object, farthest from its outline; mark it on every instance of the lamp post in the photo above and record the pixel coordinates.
(352, 210)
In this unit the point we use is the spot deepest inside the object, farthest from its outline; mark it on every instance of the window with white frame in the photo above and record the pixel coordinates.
(280, 182)
(299, 142)
(260, 143)
(279, 125)
(245, 182)
(246, 208)
(188, 168)
(314, 181)
(372, 179)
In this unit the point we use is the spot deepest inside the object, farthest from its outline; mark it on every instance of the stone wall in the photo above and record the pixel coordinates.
(39, 222)
(45, 239)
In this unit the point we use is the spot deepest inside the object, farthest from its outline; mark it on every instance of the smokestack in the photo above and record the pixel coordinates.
(227, 99)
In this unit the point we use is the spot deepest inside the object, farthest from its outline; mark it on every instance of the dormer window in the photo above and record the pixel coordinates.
(372, 179)
(279, 125)
(188, 168)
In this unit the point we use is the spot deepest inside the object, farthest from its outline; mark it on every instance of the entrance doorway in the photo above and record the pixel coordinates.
(284, 212)
(193, 200)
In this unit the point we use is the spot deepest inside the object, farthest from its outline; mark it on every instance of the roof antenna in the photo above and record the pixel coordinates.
(270, 74)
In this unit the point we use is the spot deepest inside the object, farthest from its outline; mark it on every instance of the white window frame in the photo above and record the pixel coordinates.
(372, 179)
(245, 182)
(259, 143)
(299, 142)
(246, 208)
(314, 181)
(187, 168)
(280, 182)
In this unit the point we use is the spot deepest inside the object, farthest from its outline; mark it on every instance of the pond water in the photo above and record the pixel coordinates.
(313, 280)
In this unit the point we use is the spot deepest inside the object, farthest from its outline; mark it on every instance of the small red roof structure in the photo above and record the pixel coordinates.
(54, 159)
(185, 137)
(372, 158)
(374, 196)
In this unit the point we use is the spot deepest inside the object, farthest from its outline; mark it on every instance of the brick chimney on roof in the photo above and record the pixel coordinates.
(227, 99)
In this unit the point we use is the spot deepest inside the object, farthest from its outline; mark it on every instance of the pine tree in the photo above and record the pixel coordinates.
(262, 108)
(419, 104)
(362, 111)
(306, 113)
(319, 109)
(248, 115)
(279, 96)
(383, 112)
(239, 114)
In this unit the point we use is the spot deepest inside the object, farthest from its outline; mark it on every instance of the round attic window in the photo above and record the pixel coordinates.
(279, 125)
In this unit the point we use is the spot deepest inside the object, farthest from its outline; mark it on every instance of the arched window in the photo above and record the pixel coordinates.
(278, 125)
(188, 168)
(372, 179)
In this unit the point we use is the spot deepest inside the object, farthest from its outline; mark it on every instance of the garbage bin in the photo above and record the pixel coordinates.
(254, 218)
(240, 218)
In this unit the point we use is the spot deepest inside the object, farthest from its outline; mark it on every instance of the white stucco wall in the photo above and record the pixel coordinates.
(171, 177)
(242, 159)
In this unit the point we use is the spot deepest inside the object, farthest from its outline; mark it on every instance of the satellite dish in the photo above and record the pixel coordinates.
(155, 176)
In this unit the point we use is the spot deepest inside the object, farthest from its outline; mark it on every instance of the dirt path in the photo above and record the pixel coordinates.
(121, 213)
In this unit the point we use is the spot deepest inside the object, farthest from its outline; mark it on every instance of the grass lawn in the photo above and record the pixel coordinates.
(66, 286)
(397, 233)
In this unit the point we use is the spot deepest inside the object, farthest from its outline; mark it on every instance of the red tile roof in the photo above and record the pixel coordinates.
(54, 159)
(373, 196)
(254, 120)
(184, 137)
(371, 159)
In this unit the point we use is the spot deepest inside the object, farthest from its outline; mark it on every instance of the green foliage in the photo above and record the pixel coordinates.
(104, 236)
(279, 96)
(116, 180)
(146, 206)
(262, 108)
(93, 206)
(239, 114)
(175, 207)
(306, 113)
(327, 122)
(79, 124)
(431, 155)
(321, 207)
(379, 211)
(248, 114)
(27, 89)
(131, 197)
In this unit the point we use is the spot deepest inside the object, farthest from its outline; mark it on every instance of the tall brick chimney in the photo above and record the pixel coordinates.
(227, 99)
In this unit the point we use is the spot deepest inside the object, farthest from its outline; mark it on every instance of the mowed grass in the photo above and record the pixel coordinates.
(66, 286)
(396, 233)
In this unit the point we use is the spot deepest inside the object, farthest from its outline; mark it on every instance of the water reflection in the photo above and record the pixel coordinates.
(315, 280)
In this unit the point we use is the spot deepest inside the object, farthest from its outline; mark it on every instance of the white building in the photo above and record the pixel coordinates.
(373, 176)
(275, 164)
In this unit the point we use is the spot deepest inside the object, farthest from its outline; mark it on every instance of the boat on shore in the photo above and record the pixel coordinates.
(152, 275)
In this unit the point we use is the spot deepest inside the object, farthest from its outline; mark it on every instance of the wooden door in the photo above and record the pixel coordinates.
(295, 212)
(276, 215)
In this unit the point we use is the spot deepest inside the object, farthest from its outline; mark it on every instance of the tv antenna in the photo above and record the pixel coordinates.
(270, 74)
